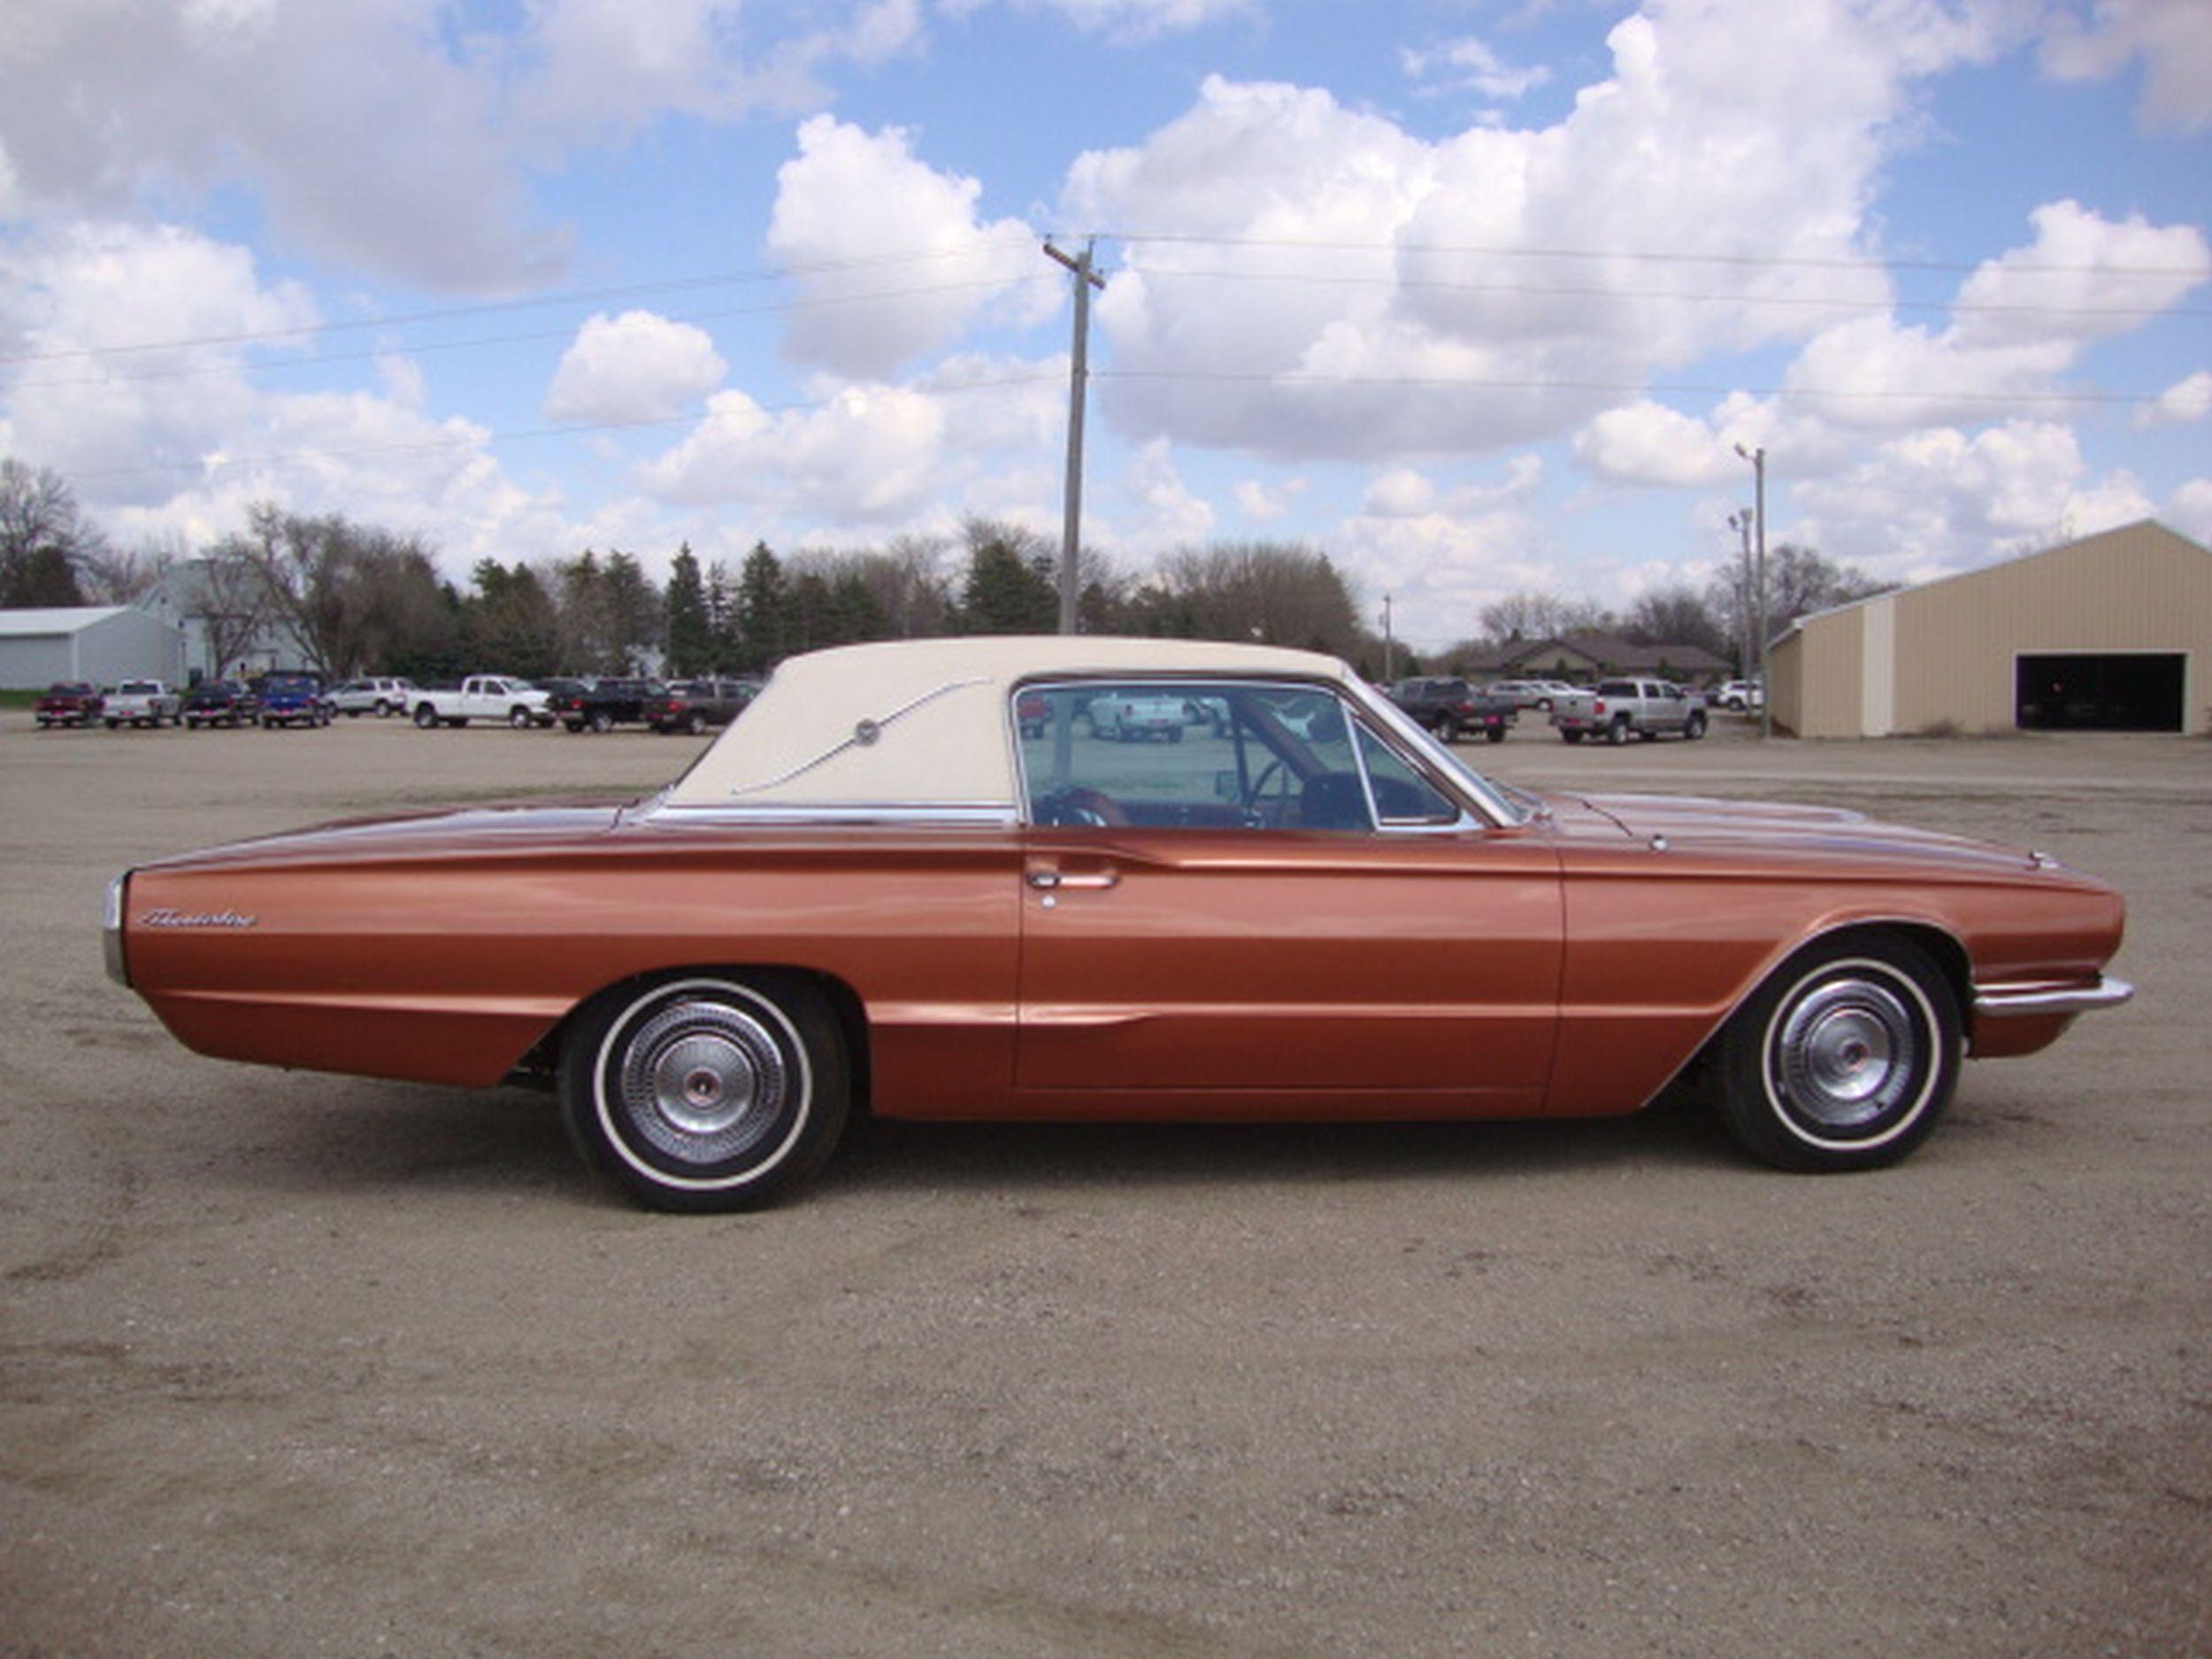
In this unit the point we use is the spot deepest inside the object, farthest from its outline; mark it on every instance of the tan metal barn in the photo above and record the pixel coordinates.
(2111, 633)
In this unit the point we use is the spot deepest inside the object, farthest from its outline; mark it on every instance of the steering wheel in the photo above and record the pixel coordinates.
(1257, 815)
(1077, 808)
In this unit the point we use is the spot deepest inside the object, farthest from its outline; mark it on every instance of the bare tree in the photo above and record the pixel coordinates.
(44, 541)
(1799, 581)
(1277, 593)
(121, 576)
(230, 599)
(1676, 615)
(1534, 616)
(351, 596)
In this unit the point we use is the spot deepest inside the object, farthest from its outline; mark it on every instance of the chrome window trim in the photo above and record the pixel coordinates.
(905, 814)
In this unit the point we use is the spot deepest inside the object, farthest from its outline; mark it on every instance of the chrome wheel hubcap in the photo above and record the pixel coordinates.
(704, 1082)
(1848, 1054)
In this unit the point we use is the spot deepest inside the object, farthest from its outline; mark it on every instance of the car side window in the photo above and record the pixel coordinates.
(1402, 794)
(1190, 754)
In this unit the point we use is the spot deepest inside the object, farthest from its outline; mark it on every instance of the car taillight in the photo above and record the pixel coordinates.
(1598, 707)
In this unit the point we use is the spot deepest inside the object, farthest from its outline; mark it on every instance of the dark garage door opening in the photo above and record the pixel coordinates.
(2088, 692)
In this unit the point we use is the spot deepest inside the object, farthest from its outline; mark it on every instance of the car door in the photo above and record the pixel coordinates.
(1282, 909)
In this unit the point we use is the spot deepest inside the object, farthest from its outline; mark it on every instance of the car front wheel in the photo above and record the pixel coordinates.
(707, 1091)
(1844, 1059)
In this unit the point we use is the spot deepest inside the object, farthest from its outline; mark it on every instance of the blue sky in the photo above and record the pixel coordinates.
(1478, 297)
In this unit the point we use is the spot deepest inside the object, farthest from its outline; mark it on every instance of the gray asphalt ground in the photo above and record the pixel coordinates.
(293, 1365)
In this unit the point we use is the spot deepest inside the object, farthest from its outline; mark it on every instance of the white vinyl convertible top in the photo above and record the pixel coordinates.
(925, 723)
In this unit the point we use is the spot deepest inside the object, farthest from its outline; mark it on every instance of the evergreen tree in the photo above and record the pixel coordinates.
(1010, 586)
(690, 629)
(760, 611)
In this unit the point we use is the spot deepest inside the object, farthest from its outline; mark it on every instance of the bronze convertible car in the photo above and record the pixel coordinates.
(882, 887)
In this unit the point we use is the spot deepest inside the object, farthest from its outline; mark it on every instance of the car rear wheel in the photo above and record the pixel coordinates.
(1495, 734)
(1571, 734)
(696, 724)
(426, 717)
(1844, 1059)
(1693, 727)
(708, 1092)
(1617, 733)
(602, 722)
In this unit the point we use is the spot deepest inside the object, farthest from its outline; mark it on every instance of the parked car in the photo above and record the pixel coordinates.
(68, 702)
(1452, 708)
(292, 699)
(481, 698)
(600, 705)
(1621, 709)
(147, 703)
(219, 703)
(382, 696)
(1527, 694)
(696, 706)
(1740, 697)
(1134, 715)
(872, 889)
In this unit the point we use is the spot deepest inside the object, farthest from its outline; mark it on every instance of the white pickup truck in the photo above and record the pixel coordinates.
(480, 697)
(1125, 718)
(143, 702)
(1621, 709)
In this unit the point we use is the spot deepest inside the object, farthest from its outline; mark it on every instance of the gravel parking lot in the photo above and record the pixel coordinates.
(295, 1365)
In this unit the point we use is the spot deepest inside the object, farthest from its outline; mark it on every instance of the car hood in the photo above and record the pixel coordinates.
(1767, 830)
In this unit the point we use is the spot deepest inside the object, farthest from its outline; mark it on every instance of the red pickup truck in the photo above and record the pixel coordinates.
(69, 702)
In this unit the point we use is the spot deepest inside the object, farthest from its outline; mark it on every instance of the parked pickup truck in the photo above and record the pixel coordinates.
(1452, 707)
(1126, 719)
(480, 697)
(602, 704)
(68, 702)
(143, 702)
(1621, 709)
(292, 699)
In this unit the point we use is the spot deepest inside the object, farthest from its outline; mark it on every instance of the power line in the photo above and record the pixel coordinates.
(529, 337)
(1477, 383)
(1554, 290)
(1505, 251)
(572, 297)
(760, 276)
(293, 458)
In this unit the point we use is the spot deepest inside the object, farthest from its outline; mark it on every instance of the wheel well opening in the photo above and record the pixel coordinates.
(540, 1066)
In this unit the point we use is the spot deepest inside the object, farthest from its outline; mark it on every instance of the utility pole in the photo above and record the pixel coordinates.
(1390, 674)
(1758, 459)
(1078, 373)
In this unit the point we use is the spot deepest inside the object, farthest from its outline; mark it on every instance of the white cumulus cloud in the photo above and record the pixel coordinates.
(2184, 402)
(637, 366)
(848, 197)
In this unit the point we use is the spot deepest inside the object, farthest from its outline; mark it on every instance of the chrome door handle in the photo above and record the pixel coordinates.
(1048, 880)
